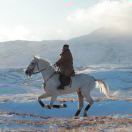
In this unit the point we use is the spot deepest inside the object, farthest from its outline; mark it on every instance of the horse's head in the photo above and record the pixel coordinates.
(36, 65)
(32, 67)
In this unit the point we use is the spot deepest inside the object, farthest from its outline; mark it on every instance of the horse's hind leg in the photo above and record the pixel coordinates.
(90, 101)
(80, 99)
(45, 95)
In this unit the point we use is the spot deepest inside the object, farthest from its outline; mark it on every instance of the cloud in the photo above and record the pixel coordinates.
(18, 32)
(106, 13)
(114, 14)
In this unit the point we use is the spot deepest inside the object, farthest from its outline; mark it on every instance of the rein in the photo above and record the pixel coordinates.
(41, 69)
(49, 78)
(44, 70)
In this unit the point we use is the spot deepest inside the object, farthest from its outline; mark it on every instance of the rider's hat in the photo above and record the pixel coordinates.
(66, 46)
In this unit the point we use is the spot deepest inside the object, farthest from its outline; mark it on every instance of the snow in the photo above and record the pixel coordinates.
(105, 54)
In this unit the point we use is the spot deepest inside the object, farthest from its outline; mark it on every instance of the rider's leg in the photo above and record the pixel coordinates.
(61, 78)
(64, 81)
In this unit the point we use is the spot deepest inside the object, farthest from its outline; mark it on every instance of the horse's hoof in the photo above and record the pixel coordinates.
(48, 106)
(64, 105)
(85, 115)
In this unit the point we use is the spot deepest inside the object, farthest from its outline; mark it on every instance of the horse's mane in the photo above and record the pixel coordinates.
(46, 60)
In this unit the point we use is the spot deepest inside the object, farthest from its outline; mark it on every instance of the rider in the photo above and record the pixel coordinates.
(65, 65)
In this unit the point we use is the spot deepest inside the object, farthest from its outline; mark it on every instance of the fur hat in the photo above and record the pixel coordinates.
(66, 46)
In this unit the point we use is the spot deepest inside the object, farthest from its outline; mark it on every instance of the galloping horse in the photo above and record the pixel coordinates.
(81, 83)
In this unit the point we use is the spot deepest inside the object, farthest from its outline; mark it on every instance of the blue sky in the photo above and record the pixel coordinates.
(53, 19)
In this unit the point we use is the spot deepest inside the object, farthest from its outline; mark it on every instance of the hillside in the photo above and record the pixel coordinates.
(102, 46)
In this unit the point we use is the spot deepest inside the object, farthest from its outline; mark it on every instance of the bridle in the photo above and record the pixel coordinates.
(40, 70)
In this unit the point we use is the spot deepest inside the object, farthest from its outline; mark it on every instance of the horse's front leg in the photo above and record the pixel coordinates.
(53, 99)
(52, 105)
(45, 95)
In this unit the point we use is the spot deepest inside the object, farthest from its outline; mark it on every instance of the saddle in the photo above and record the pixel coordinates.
(64, 80)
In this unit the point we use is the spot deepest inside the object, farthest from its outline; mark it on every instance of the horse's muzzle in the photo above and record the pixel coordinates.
(28, 73)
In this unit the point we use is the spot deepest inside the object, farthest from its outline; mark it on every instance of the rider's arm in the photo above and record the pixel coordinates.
(64, 58)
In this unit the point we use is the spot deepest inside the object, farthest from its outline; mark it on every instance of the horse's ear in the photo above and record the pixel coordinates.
(34, 57)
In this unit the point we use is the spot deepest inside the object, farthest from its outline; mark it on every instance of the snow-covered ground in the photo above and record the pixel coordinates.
(19, 107)
(103, 54)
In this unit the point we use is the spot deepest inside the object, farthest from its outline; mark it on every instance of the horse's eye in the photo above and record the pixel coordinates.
(32, 63)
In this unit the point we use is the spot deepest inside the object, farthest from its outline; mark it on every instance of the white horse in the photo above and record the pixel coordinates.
(81, 83)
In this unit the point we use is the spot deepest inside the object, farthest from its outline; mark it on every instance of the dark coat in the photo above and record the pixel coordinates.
(65, 63)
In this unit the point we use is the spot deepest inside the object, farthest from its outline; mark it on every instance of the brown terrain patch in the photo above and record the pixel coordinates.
(91, 123)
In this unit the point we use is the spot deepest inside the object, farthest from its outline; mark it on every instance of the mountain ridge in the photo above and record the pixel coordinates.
(92, 49)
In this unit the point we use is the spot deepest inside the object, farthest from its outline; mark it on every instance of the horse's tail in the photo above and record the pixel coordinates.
(103, 88)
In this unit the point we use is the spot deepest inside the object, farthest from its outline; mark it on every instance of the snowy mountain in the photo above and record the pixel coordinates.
(103, 46)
